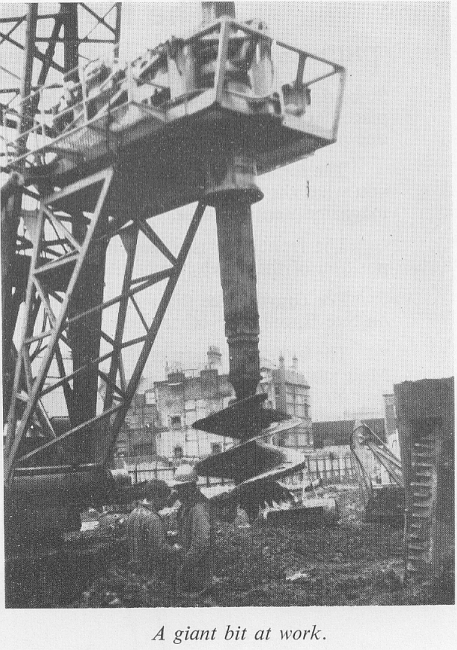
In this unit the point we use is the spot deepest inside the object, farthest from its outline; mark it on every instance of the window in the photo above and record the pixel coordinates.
(175, 421)
(216, 448)
(178, 452)
(201, 409)
(190, 417)
(302, 439)
(150, 397)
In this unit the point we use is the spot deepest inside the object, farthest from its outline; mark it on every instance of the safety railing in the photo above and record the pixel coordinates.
(48, 119)
(238, 66)
(308, 89)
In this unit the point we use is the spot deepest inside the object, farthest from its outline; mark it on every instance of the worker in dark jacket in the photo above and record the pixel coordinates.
(195, 535)
(149, 552)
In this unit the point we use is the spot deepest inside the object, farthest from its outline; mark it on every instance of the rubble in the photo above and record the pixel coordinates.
(351, 564)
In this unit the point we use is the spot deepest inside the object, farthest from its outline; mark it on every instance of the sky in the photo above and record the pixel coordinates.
(354, 244)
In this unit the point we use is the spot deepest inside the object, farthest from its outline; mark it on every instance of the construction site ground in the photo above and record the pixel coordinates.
(351, 563)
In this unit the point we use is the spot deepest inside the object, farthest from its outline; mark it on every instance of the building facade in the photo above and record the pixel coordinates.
(288, 391)
(159, 422)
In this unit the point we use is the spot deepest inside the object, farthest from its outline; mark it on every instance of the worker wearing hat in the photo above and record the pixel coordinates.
(149, 553)
(195, 535)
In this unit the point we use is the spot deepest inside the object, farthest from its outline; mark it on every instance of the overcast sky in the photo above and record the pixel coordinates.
(354, 279)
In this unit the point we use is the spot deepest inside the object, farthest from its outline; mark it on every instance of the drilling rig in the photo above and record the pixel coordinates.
(92, 159)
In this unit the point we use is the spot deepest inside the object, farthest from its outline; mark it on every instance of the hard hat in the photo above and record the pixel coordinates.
(185, 474)
(148, 491)
(156, 489)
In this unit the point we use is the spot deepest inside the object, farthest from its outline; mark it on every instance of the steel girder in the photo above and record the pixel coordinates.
(49, 43)
(60, 355)
(38, 26)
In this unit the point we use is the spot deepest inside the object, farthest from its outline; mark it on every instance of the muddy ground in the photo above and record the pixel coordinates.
(352, 563)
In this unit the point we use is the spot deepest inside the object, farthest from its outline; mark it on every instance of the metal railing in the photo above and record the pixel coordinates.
(166, 474)
(325, 469)
(239, 63)
(53, 124)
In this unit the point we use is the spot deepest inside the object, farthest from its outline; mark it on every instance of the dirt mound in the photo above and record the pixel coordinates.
(349, 564)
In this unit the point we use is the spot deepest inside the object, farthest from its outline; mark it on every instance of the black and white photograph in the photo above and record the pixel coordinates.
(227, 344)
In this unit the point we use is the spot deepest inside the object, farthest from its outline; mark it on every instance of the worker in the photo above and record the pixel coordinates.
(69, 105)
(150, 555)
(195, 535)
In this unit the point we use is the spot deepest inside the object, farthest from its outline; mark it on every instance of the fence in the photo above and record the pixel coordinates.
(328, 469)
(166, 474)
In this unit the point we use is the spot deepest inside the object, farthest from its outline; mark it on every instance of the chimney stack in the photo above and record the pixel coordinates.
(214, 357)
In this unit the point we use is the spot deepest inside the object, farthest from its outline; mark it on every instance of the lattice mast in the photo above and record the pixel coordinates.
(63, 43)
(192, 120)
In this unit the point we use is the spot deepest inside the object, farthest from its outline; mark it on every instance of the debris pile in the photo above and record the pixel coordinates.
(351, 564)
